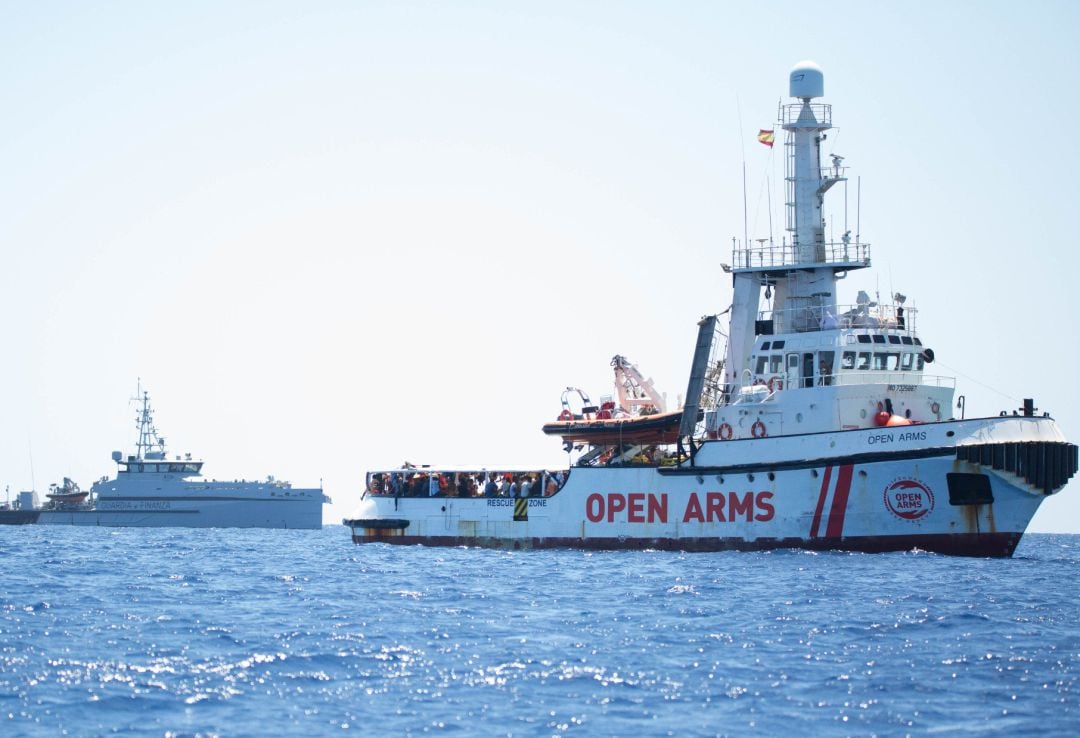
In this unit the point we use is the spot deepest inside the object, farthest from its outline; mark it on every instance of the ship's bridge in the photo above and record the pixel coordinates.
(156, 463)
(893, 320)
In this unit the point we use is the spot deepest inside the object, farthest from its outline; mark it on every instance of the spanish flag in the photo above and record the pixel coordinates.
(765, 136)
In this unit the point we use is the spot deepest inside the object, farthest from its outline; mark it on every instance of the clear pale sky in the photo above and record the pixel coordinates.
(332, 236)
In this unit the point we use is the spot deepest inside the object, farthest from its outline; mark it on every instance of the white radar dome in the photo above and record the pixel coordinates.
(806, 80)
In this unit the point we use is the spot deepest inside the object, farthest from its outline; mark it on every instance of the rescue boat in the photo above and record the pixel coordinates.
(66, 494)
(638, 416)
(808, 423)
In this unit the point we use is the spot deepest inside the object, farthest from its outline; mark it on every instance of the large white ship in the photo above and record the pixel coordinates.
(819, 425)
(151, 490)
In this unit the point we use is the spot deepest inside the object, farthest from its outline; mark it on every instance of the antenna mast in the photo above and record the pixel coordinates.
(148, 435)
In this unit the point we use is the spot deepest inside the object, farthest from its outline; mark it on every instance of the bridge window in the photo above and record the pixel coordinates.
(886, 362)
(769, 364)
(878, 338)
(864, 361)
(825, 367)
(907, 360)
(893, 338)
(848, 360)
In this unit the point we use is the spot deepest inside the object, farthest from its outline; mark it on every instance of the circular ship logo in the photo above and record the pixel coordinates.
(909, 499)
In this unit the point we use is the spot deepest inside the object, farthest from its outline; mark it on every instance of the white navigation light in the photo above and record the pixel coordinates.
(806, 80)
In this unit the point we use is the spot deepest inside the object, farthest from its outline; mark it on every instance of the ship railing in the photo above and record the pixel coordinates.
(872, 316)
(417, 482)
(790, 113)
(791, 256)
(851, 377)
(755, 389)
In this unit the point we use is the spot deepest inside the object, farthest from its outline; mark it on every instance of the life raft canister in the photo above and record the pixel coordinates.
(758, 429)
(725, 432)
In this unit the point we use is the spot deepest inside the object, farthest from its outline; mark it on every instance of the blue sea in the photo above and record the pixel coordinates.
(174, 632)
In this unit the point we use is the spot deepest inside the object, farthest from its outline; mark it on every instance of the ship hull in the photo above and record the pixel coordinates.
(993, 545)
(945, 487)
(18, 517)
(193, 512)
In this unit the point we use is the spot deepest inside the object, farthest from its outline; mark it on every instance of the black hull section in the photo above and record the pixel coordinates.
(986, 545)
(1045, 465)
(18, 517)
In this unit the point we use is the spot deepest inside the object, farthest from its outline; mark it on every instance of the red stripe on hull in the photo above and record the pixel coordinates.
(821, 503)
(953, 544)
(835, 528)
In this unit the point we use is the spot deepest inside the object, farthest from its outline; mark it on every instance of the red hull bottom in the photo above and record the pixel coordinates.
(954, 544)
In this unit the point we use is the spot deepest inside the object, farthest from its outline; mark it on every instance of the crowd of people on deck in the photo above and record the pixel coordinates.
(419, 482)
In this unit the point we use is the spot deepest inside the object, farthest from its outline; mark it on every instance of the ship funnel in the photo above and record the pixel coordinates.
(806, 81)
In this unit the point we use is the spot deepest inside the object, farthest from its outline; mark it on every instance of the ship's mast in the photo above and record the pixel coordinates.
(808, 293)
(802, 274)
(148, 436)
